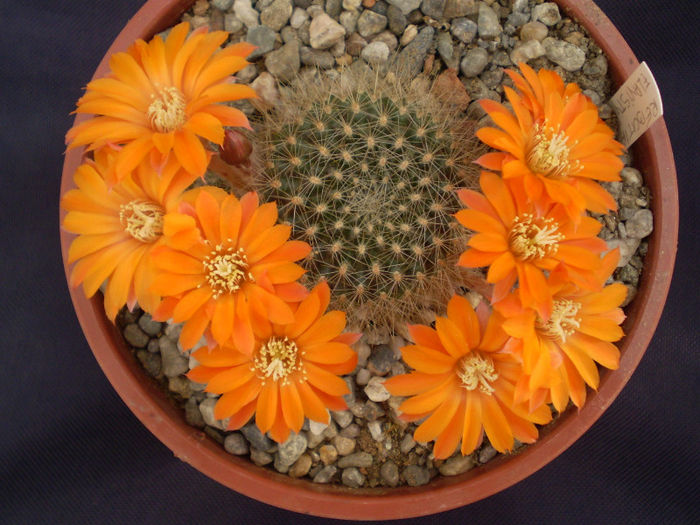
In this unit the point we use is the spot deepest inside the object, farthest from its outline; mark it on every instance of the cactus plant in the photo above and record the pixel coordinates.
(365, 168)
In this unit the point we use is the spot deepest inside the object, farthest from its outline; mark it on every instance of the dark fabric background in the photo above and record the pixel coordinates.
(70, 450)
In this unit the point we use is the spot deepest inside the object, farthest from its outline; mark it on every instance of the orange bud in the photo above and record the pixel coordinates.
(236, 148)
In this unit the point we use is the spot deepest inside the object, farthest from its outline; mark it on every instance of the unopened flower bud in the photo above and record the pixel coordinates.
(236, 148)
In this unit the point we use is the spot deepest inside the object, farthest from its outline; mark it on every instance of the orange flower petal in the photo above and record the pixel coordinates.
(230, 379)
(291, 406)
(267, 406)
(426, 359)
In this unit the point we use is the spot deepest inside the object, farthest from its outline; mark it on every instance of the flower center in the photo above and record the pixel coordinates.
(166, 112)
(548, 154)
(476, 371)
(226, 269)
(563, 322)
(277, 359)
(142, 220)
(533, 238)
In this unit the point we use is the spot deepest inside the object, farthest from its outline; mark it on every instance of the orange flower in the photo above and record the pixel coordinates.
(559, 354)
(518, 242)
(553, 140)
(291, 374)
(161, 97)
(226, 261)
(118, 227)
(464, 384)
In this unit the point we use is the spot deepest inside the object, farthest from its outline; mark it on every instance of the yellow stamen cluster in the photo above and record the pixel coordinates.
(143, 220)
(531, 238)
(277, 359)
(226, 269)
(548, 154)
(563, 322)
(166, 112)
(476, 371)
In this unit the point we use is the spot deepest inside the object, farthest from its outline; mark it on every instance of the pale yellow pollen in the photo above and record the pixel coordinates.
(532, 239)
(548, 154)
(277, 359)
(563, 322)
(477, 372)
(226, 270)
(142, 220)
(166, 112)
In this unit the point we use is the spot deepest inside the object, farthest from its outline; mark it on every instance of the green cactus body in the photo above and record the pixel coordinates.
(368, 176)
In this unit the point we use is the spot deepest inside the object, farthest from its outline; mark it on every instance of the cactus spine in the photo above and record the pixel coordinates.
(365, 169)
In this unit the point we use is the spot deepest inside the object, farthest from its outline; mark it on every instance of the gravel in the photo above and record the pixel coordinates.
(368, 445)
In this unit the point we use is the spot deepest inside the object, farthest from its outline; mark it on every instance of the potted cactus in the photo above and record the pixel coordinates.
(342, 219)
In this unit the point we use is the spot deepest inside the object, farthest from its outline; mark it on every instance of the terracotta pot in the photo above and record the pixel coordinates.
(652, 155)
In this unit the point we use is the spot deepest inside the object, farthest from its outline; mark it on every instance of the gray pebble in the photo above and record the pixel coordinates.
(277, 14)
(433, 8)
(153, 346)
(456, 465)
(245, 13)
(388, 38)
(325, 474)
(463, 29)
(135, 336)
(223, 5)
(352, 5)
(348, 19)
(257, 439)
(380, 360)
(527, 51)
(260, 458)
(375, 430)
(302, 3)
(150, 326)
(150, 362)
(487, 453)
(174, 362)
(193, 416)
(247, 74)
(263, 37)
(547, 13)
(628, 274)
(375, 53)
(396, 19)
(232, 24)
(236, 444)
(415, 475)
(375, 389)
(299, 16)
(408, 35)
(206, 408)
(362, 376)
(172, 331)
(372, 411)
(370, 23)
(631, 177)
(342, 417)
(181, 386)
(351, 431)
(357, 459)
(389, 473)
(515, 20)
(406, 6)
(407, 443)
(324, 32)
(489, 28)
(316, 58)
(334, 7)
(564, 54)
(627, 249)
(474, 62)
(352, 477)
(596, 67)
(289, 451)
(215, 434)
(446, 49)
(640, 224)
(344, 445)
(413, 55)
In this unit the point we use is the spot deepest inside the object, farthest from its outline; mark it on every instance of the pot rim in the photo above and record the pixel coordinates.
(145, 399)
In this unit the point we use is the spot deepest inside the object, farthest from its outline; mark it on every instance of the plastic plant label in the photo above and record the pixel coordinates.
(637, 104)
